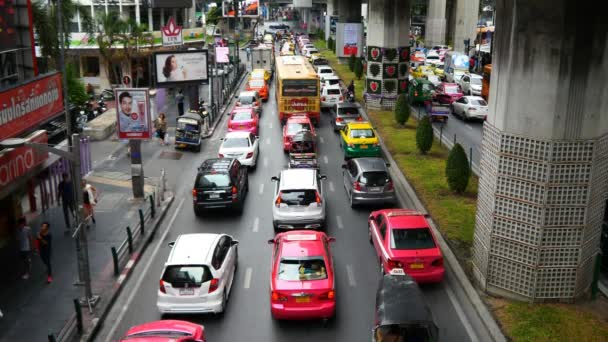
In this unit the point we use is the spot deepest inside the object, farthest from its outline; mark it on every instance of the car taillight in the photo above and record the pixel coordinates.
(277, 296)
(351, 145)
(277, 203)
(390, 186)
(194, 193)
(323, 99)
(220, 155)
(215, 282)
(249, 155)
(318, 198)
(327, 295)
(255, 103)
(357, 186)
(161, 286)
(393, 264)
(339, 120)
(341, 98)
(437, 262)
(359, 118)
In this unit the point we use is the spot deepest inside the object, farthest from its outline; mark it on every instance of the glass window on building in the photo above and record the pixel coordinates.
(90, 66)
(156, 18)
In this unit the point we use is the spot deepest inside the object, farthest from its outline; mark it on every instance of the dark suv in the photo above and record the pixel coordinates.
(220, 183)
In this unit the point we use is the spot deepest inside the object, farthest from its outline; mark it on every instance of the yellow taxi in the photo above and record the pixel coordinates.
(257, 74)
(422, 71)
(438, 70)
(287, 53)
(359, 139)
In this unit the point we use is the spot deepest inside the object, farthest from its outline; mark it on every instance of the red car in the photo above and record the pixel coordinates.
(447, 93)
(302, 277)
(244, 119)
(294, 125)
(403, 240)
(260, 86)
(169, 331)
(418, 57)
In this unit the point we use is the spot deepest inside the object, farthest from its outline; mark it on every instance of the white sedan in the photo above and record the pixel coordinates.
(471, 84)
(470, 107)
(243, 146)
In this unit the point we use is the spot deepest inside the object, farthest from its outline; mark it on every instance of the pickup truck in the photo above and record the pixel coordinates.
(437, 111)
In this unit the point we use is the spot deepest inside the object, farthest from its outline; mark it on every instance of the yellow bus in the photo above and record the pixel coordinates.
(297, 88)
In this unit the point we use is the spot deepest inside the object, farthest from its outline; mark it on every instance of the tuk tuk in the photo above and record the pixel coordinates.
(303, 151)
(401, 311)
(188, 131)
(421, 90)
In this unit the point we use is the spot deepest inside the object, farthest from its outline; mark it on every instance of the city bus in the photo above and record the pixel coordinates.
(297, 88)
(485, 82)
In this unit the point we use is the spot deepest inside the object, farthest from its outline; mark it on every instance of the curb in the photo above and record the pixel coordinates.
(405, 187)
(228, 105)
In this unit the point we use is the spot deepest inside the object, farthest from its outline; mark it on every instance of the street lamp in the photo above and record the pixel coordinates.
(83, 251)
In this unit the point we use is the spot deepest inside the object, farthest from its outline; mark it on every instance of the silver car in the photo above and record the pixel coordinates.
(298, 200)
(344, 113)
(367, 180)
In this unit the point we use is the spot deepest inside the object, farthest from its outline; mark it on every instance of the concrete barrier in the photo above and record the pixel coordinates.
(102, 126)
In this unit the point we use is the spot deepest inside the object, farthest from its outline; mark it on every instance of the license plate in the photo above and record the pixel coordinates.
(375, 189)
(363, 146)
(186, 292)
(416, 266)
(214, 196)
(302, 299)
(243, 127)
(397, 271)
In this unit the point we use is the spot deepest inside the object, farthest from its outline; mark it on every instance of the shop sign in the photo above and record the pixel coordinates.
(27, 106)
(15, 162)
(299, 104)
(172, 34)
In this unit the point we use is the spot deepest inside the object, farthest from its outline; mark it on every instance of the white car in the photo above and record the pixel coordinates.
(454, 75)
(435, 80)
(330, 81)
(471, 84)
(310, 51)
(431, 58)
(243, 146)
(331, 95)
(198, 275)
(470, 107)
(324, 71)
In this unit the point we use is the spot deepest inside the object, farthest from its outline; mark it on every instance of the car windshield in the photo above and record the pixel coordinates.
(348, 111)
(333, 82)
(432, 57)
(374, 178)
(295, 127)
(451, 89)
(298, 197)
(236, 142)
(333, 91)
(427, 87)
(362, 133)
(478, 102)
(246, 99)
(298, 269)
(241, 116)
(412, 238)
(256, 83)
(187, 275)
(213, 180)
(476, 81)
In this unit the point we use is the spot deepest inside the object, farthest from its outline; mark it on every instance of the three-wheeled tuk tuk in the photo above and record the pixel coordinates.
(303, 151)
(188, 131)
(421, 90)
(401, 311)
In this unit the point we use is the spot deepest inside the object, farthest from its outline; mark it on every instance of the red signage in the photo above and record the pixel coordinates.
(350, 50)
(25, 107)
(14, 163)
(299, 104)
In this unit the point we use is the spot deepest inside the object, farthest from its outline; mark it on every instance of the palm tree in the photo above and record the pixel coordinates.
(134, 36)
(109, 34)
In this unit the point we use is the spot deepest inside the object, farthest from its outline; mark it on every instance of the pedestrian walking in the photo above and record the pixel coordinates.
(248, 52)
(44, 249)
(24, 235)
(161, 127)
(179, 98)
(89, 196)
(65, 194)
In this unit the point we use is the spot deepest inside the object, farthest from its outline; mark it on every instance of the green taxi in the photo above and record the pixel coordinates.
(359, 139)
(421, 90)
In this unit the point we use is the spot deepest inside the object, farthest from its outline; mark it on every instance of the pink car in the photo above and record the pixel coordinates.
(447, 93)
(165, 331)
(244, 119)
(302, 277)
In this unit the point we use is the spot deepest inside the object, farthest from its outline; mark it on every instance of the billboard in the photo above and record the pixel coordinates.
(27, 106)
(222, 54)
(16, 162)
(247, 8)
(133, 113)
(179, 67)
(351, 38)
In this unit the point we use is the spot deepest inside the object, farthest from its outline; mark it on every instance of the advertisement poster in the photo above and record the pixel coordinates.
(351, 36)
(180, 67)
(172, 34)
(222, 54)
(247, 8)
(133, 113)
(15, 162)
(332, 25)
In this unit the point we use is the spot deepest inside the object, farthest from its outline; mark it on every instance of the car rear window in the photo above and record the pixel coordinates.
(213, 180)
(320, 61)
(348, 112)
(245, 99)
(432, 57)
(374, 178)
(479, 102)
(412, 238)
(362, 133)
(236, 142)
(451, 89)
(325, 71)
(241, 116)
(298, 197)
(333, 82)
(295, 127)
(298, 269)
(256, 83)
(190, 275)
(333, 91)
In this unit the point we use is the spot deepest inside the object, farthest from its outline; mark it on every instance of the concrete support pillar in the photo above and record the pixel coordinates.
(435, 23)
(349, 11)
(150, 20)
(388, 51)
(544, 162)
(465, 24)
(331, 11)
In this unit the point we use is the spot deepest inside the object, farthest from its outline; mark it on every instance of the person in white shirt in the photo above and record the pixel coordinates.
(129, 121)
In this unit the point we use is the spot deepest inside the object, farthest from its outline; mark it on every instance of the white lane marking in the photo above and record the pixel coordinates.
(325, 160)
(267, 141)
(468, 127)
(322, 140)
(142, 275)
(248, 273)
(261, 188)
(331, 187)
(270, 125)
(339, 221)
(256, 224)
(351, 276)
(265, 161)
(463, 318)
(121, 278)
(129, 264)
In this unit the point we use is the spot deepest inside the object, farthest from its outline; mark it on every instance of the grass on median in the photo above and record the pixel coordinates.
(341, 69)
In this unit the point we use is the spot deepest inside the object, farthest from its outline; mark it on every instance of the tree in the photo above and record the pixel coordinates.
(133, 36)
(402, 110)
(424, 135)
(110, 33)
(214, 15)
(330, 44)
(77, 94)
(358, 68)
(457, 169)
(351, 62)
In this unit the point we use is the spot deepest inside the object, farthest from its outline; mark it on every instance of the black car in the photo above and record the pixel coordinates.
(220, 183)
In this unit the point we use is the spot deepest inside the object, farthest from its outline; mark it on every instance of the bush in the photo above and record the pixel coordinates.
(457, 169)
(402, 110)
(358, 68)
(77, 93)
(424, 135)
(351, 62)
(330, 43)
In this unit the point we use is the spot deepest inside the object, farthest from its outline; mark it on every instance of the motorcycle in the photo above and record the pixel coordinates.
(81, 120)
(101, 105)
(350, 97)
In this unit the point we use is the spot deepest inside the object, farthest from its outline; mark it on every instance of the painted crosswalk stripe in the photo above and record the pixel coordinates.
(265, 161)
(322, 140)
(256, 224)
(270, 125)
(351, 276)
(325, 160)
(261, 188)
(248, 273)
(267, 141)
(339, 222)
(121, 278)
(331, 187)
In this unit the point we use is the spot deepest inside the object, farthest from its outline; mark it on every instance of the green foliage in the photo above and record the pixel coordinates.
(76, 91)
(358, 68)
(402, 110)
(351, 62)
(457, 169)
(214, 15)
(424, 135)
(330, 44)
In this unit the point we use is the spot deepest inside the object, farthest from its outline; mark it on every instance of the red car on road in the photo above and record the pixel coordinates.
(165, 331)
(295, 124)
(447, 93)
(403, 240)
(302, 276)
(244, 119)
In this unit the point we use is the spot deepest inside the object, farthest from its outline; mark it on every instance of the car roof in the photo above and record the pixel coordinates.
(302, 243)
(472, 97)
(298, 179)
(216, 165)
(192, 249)
(249, 93)
(237, 134)
(330, 77)
(371, 164)
(474, 76)
(347, 105)
(359, 125)
(246, 108)
(164, 325)
(333, 86)
(324, 67)
(405, 218)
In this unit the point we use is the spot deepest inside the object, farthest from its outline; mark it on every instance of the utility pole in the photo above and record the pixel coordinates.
(236, 32)
(64, 79)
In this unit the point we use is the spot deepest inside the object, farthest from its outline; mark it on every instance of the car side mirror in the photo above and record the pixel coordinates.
(331, 239)
(323, 177)
(388, 164)
(344, 166)
(257, 137)
(171, 244)
(271, 242)
(234, 243)
(274, 179)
